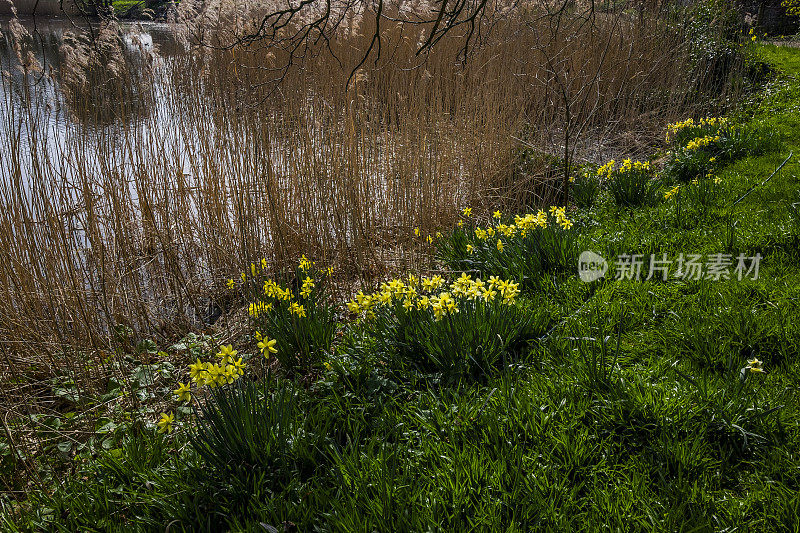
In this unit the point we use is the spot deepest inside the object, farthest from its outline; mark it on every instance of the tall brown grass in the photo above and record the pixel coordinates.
(178, 170)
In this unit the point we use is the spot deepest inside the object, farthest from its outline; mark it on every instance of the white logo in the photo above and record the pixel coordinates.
(591, 266)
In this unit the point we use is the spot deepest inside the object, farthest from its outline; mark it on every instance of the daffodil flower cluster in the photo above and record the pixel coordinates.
(521, 227)
(674, 129)
(208, 374)
(205, 374)
(279, 294)
(413, 294)
(608, 170)
(259, 308)
(297, 315)
(701, 142)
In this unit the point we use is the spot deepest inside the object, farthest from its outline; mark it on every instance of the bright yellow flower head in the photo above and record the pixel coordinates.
(606, 169)
(267, 346)
(238, 366)
(226, 351)
(165, 423)
(183, 392)
(297, 309)
(196, 371)
(230, 284)
(672, 192)
(497, 215)
(467, 211)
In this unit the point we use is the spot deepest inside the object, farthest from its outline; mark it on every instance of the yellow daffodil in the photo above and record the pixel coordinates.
(267, 346)
(183, 392)
(165, 423)
(227, 351)
(239, 366)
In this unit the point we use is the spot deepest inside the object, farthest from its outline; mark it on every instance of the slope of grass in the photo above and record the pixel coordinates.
(634, 409)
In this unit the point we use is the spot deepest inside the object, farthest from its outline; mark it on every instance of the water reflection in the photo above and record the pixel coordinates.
(115, 81)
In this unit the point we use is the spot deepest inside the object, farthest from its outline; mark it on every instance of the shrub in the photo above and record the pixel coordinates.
(713, 30)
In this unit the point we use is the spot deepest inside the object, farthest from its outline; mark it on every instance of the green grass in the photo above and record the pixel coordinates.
(631, 412)
(121, 7)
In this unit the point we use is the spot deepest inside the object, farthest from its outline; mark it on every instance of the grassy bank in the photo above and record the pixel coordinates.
(554, 404)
